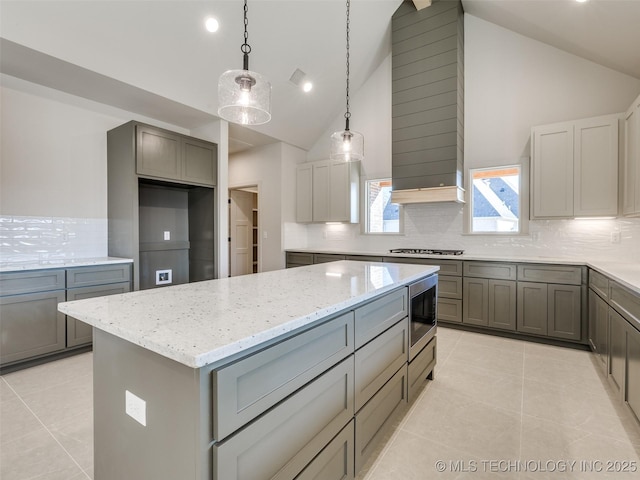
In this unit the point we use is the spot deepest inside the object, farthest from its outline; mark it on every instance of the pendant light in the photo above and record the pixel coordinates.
(347, 145)
(244, 96)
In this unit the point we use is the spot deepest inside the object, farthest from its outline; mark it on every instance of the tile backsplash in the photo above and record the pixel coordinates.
(42, 239)
(440, 226)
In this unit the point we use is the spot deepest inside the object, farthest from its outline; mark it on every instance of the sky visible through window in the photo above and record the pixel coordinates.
(496, 200)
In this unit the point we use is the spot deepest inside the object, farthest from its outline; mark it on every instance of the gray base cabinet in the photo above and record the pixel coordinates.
(502, 304)
(532, 308)
(421, 368)
(564, 314)
(617, 351)
(336, 461)
(475, 303)
(632, 379)
(599, 328)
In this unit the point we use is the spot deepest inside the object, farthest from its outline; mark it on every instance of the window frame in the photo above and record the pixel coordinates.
(365, 209)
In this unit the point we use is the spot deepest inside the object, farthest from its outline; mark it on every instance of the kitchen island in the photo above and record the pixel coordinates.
(286, 374)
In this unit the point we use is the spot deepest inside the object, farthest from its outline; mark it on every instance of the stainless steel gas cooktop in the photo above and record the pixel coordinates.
(426, 251)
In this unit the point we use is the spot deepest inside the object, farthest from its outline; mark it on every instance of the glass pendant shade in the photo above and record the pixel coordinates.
(347, 145)
(244, 97)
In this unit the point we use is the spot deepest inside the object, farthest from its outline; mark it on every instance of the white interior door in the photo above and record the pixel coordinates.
(241, 232)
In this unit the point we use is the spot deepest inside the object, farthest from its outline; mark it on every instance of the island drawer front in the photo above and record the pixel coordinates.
(378, 360)
(374, 318)
(420, 367)
(599, 284)
(336, 461)
(495, 270)
(252, 385)
(447, 267)
(281, 443)
(31, 282)
(562, 274)
(378, 414)
(449, 287)
(363, 258)
(626, 303)
(299, 259)
(449, 310)
(99, 275)
(327, 257)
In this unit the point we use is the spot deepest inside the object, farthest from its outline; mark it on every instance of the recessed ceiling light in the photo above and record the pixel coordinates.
(307, 86)
(582, 1)
(300, 79)
(211, 24)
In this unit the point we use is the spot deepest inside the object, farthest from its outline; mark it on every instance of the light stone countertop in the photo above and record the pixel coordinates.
(209, 322)
(68, 263)
(627, 274)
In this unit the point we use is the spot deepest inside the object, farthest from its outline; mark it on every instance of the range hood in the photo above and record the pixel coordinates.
(428, 103)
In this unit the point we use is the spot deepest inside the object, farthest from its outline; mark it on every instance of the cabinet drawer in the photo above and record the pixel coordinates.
(31, 282)
(449, 287)
(378, 360)
(625, 302)
(295, 258)
(374, 318)
(103, 275)
(495, 270)
(31, 325)
(449, 310)
(599, 284)
(251, 386)
(336, 461)
(363, 258)
(326, 257)
(562, 274)
(280, 444)
(447, 267)
(421, 366)
(378, 414)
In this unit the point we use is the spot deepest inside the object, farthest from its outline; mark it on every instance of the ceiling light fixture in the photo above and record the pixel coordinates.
(300, 79)
(347, 145)
(244, 96)
(211, 24)
(581, 1)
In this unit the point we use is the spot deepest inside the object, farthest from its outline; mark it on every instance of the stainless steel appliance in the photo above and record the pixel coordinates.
(422, 313)
(426, 251)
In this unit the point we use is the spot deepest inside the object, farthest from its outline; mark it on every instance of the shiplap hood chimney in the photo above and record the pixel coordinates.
(428, 102)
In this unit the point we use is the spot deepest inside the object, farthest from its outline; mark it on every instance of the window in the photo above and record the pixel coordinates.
(382, 216)
(495, 200)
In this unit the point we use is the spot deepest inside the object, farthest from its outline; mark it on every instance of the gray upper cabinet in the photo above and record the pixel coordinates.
(575, 168)
(328, 191)
(171, 156)
(630, 177)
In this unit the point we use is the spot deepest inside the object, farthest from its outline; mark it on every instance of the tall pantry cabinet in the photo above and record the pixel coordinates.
(631, 161)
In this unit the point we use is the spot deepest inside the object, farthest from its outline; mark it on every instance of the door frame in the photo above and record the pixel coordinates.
(254, 187)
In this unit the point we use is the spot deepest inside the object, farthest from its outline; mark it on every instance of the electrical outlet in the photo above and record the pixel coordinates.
(136, 408)
(615, 236)
(163, 277)
(167, 235)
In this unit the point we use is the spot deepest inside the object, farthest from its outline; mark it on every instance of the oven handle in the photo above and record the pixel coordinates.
(423, 285)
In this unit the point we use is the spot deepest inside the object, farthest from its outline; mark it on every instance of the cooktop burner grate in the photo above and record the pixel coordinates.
(426, 251)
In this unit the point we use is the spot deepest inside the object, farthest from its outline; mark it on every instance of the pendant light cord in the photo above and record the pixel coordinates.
(347, 114)
(246, 48)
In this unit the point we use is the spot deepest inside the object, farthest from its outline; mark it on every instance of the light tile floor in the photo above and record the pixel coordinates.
(496, 408)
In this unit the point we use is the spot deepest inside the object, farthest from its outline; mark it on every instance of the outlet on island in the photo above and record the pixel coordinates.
(163, 277)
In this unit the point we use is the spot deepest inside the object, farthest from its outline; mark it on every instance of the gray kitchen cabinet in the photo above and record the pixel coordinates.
(630, 175)
(298, 259)
(489, 294)
(334, 191)
(617, 351)
(171, 156)
(327, 257)
(599, 328)
(496, 270)
(561, 274)
(564, 311)
(31, 325)
(599, 284)
(575, 168)
(363, 258)
(532, 308)
(502, 304)
(336, 461)
(632, 379)
(421, 368)
(475, 302)
(377, 316)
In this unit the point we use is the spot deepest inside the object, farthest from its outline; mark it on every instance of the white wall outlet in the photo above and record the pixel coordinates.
(615, 236)
(535, 237)
(167, 235)
(265, 235)
(164, 277)
(135, 407)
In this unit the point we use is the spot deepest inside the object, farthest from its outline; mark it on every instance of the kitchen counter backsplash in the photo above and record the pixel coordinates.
(28, 240)
(440, 226)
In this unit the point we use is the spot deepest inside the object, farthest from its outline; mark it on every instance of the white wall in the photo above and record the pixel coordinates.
(511, 84)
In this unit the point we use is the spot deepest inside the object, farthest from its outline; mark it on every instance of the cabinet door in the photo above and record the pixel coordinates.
(158, 153)
(475, 303)
(596, 167)
(532, 308)
(340, 194)
(199, 162)
(599, 328)
(304, 189)
(617, 349)
(632, 385)
(502, 304)
(79, 333)
(320, 192)
(31, 325)
(564, 311)
(631, 161)
(552, 165)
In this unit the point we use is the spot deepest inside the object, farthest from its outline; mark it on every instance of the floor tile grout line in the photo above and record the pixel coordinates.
(524, 361)
(46, 428)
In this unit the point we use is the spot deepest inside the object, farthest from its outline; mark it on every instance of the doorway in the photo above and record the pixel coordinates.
(243, 231)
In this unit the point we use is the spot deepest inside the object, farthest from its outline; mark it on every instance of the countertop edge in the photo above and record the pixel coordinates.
(74, 263)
